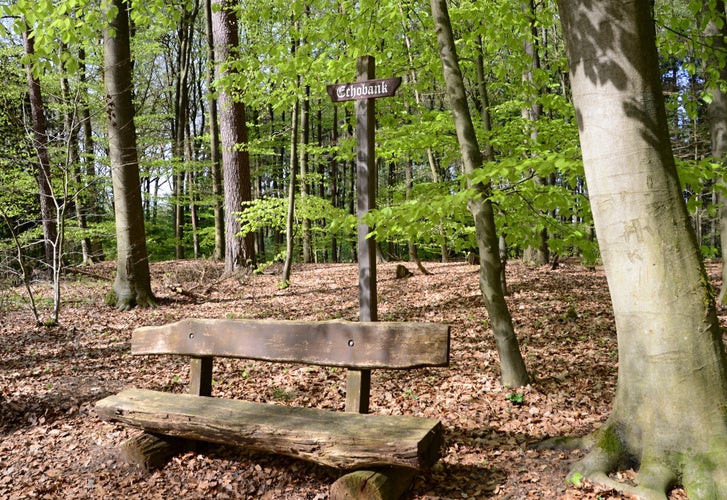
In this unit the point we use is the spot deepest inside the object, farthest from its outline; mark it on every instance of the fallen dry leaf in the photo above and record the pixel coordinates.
(53, 445)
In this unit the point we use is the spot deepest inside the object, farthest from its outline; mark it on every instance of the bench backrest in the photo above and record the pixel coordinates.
(356, 345)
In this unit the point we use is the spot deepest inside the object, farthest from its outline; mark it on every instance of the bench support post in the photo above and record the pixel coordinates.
(382, 484)
(200, 376)
(358, 389)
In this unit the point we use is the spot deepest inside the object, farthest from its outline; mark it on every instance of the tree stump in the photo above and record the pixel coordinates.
(389, 483)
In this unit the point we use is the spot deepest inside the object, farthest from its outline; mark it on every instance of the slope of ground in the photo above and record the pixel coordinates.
(52, 444)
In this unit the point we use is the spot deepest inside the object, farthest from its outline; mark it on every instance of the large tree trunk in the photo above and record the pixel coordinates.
(133, 284)
(668, 416)
(239, 252)
(512, 365)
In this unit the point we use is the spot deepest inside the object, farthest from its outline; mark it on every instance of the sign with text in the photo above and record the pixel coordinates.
(367, 89)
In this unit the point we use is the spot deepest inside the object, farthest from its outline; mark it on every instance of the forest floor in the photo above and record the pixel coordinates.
(52, 444)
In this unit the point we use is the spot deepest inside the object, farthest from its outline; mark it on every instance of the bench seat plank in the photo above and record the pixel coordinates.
(342, 440)
(349, 344)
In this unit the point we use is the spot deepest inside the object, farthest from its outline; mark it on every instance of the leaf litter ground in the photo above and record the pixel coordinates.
(53, 446)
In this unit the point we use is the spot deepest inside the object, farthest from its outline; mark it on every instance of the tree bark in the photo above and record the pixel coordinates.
(133, 283)
(668, 414)
(513, 371)
(239, 252)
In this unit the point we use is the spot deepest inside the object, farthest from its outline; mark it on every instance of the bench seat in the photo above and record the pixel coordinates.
(342, 440)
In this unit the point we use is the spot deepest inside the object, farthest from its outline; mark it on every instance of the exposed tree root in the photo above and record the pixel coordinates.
(128, 303)
(701, 475)
(566, 443)
(606, 454)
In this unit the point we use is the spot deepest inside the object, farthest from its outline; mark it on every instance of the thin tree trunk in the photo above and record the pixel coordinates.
(536, 253)
(514, 373)
(217, 191)
(489, 152)
(413, 251)
(290, 218)
(334, 180)
(193, 213)
(133, 283)
(430, 152)
(181, 117)
(73, 162)
(40, 144)
(303, 165)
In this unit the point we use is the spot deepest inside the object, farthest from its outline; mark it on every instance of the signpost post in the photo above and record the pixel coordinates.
(364, 91)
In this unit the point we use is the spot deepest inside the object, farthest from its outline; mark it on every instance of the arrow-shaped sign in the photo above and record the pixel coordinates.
(368, 89)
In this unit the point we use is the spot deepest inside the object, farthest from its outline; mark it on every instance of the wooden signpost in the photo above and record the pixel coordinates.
(364, 91)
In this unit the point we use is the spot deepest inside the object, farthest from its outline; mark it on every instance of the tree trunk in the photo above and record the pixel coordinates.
(537, 252)
(512, 365)
(334, 179)
(133, 283)
(40, 144)
(185, 33)
(430, 153)
(239, 252)
(290, 218)
(668, 415)
(413, 250)
(715, 34)
(73, 164)
(303, 164)
(489, 152)
(90, 197)
(219, 252)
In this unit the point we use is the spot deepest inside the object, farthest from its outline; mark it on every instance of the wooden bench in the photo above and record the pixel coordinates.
(395, 446)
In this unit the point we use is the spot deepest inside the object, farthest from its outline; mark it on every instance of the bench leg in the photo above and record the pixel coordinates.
(150, 451)
(388, 483)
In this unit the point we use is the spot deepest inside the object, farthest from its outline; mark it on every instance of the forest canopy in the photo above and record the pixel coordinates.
(514, 67)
